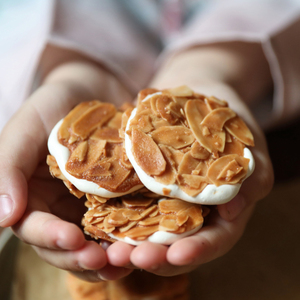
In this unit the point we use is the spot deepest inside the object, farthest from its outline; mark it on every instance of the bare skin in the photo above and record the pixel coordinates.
(41, 213)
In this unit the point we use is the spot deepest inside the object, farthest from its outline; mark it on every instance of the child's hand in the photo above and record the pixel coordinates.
(39, 208)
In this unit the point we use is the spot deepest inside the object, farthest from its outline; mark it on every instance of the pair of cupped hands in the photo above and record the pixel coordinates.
(44, 214)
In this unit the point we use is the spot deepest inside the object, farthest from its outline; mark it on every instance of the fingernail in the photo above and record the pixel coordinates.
(235, 207)
(6, 207)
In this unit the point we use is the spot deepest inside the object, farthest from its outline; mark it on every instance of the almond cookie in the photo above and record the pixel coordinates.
(188, 146)
(87, 151)
(142, 216)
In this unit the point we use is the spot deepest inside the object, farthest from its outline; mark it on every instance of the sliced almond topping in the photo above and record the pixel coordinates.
(136, 202)
(144, 123)
(163, 109)
(100, 170)
(174, 136)
(195, 216)
(157, 123)
(168, 223)
(181, 91)
(148, 211)
(172, 205)
(181, 217)
(217, 118)
(141, 233)
(199, 152)
(146, 153)
(195, 113)
(108, 134)
(166, 191)
(64, 133)
(193, 181)
(234, 147)
(116, 121)
(125, 117)
(108, 228)
(238, 128)
(128, 226)
(151, 221)
(145, 92)
(131, 215)
(117, 218)
(92, 119)
(188, 164)
(79, 154)
(213, 103)
(224, 166)
(125, 161)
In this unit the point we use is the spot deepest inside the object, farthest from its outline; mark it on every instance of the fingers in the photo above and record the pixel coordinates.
(118, 254)
(89, 257)
(212, 241)
(45, 230)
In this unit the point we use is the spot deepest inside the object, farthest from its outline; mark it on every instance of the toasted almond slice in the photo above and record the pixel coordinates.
(238, 128)
(131, 215)
(116, 121)
(193, 181)
(74, 114)
(195, 217)
(162, 106)
(146, 153)
(230, 170)
(100, 170)
(182, 217)
(166, 192)
(97, 220)
(108, 134)
(224, 164)
(92, 119)
(151, 221)
(73, 190)
(153, 101)
(172, 155)
(189, 190)
(136, 202)
(96, 150)
(144, 123)
(168, 176)
(141, 232)
(79, 154)
(213, 103)
(168, 223)
(145, 92)
(117, 218)
(195, 113)
(148, 211)
(188, 164)
(127, 227)
(108, 228)
(181, 91)
(158, 122)
(174, 136)
(217, 118)
(125, 161)
(199, 152)
(172, 205)
(234, 147)
(125, 117)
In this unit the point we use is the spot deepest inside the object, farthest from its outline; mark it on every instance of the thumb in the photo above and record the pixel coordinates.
(20, 151)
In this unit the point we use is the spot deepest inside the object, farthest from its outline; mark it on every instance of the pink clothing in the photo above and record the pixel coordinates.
(129, 37)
